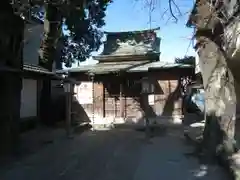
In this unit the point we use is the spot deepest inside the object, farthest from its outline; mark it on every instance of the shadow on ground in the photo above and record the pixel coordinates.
(118, 153)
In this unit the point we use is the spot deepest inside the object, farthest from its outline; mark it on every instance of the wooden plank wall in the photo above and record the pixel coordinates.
(112, 104)
(85, 112)
(167, 102)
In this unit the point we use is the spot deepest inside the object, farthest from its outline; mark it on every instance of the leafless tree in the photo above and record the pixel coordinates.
(172, 9)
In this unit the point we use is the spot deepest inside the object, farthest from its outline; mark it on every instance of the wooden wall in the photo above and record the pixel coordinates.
(106, 101)
(169, 102)
(87, 112)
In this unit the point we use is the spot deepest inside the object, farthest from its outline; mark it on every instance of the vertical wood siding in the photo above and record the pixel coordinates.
(167, 101)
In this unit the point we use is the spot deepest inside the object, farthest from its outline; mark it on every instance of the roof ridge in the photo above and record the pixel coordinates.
(136, 31)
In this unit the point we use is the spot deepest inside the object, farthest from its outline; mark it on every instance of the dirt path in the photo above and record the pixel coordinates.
(119, 154)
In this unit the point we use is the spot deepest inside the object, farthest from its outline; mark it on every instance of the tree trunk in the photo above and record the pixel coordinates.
(52, 29)
(218, 137)
(11, 83)
(10, 112)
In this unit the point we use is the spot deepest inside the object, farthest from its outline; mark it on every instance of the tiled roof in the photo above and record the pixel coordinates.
(83, 69)
(158, 65)
(110, 67)
(127, 57)
(27, 68)
(137, 31)
(104, 68)
(132, 66)
(36, 69)
(131, 42)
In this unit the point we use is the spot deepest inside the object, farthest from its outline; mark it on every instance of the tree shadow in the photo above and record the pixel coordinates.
(58, 112)
(171, 99)
(148, 111)
(154, 112)
(136, 105)
(79, 115)
(205, 151)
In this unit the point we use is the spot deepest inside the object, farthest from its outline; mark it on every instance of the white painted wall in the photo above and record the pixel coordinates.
(28, 98)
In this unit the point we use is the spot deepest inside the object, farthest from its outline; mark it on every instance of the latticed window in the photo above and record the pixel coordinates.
(132, 84)
(132, 88)
(113, 88)
(147, 86)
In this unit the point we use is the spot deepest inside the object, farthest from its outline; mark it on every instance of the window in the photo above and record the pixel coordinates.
(147, 87)
(132, 88)
(113, 88)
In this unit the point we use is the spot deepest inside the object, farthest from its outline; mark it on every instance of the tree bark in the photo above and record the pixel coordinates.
(10, 112)
(52, 29)
(218, 137)
(11, 83)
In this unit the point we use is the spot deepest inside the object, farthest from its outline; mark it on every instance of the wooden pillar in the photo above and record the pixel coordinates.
(104, 102)
(147, 123)
(69, 93)
(93, 103)
(125, 106)
(121, 100)
(145, 93)
(38, 98)
(115, 106)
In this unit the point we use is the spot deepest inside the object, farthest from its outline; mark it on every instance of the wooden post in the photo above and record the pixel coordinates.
(147, 128)
(69, 92)
(121, 101)
(115, 107)
(104, 102)
(92, 78)
(145, 93)
(125, 106)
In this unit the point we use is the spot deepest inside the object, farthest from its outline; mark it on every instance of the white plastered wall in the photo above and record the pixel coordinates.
(28, 98)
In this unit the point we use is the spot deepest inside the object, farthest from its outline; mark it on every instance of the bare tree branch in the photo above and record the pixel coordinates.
(176, 6)
(171, 11)
(172, 7)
